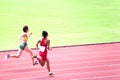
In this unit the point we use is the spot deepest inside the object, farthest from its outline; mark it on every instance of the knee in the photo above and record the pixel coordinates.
(42, 64)
(31, 53)
(17, 56)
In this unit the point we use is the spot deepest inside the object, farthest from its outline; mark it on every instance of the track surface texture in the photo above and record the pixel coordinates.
(87, 62)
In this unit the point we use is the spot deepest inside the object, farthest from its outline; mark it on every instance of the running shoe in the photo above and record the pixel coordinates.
(7, 56)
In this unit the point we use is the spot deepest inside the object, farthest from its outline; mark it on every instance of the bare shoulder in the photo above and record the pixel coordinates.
(47, 41)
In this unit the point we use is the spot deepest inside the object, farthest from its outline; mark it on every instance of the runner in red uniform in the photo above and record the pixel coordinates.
(43, 50)
(44, 45)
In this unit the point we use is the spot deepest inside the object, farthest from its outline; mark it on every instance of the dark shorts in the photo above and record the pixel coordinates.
(22, 46)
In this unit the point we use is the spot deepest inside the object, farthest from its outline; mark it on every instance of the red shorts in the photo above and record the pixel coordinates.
(43, 55)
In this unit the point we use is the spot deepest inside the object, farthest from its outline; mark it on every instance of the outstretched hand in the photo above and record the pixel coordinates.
(30, 34)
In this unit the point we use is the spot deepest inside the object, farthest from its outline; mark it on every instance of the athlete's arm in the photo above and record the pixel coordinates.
(48, 45)
(37, 43)
(29, 34)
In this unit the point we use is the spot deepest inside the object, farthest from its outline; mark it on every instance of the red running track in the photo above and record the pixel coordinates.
(90, 62)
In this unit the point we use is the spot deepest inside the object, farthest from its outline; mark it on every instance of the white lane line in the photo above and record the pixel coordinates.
(95, 61)
(61, 56)
(63, 69)
(80, 53)
(71, 59)
(77, 52)
(102, 77)
(77, 74)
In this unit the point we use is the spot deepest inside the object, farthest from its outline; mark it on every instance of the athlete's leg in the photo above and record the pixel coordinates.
(17, 55)
(14, 55)
(48, 65)
(30, 52)
(42, 63)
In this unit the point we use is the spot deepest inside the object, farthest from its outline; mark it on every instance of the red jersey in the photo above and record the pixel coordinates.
(43, 53)
(43, 42)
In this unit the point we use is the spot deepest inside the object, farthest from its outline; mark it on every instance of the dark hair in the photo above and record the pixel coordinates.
(25, 28)
(44, 34)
